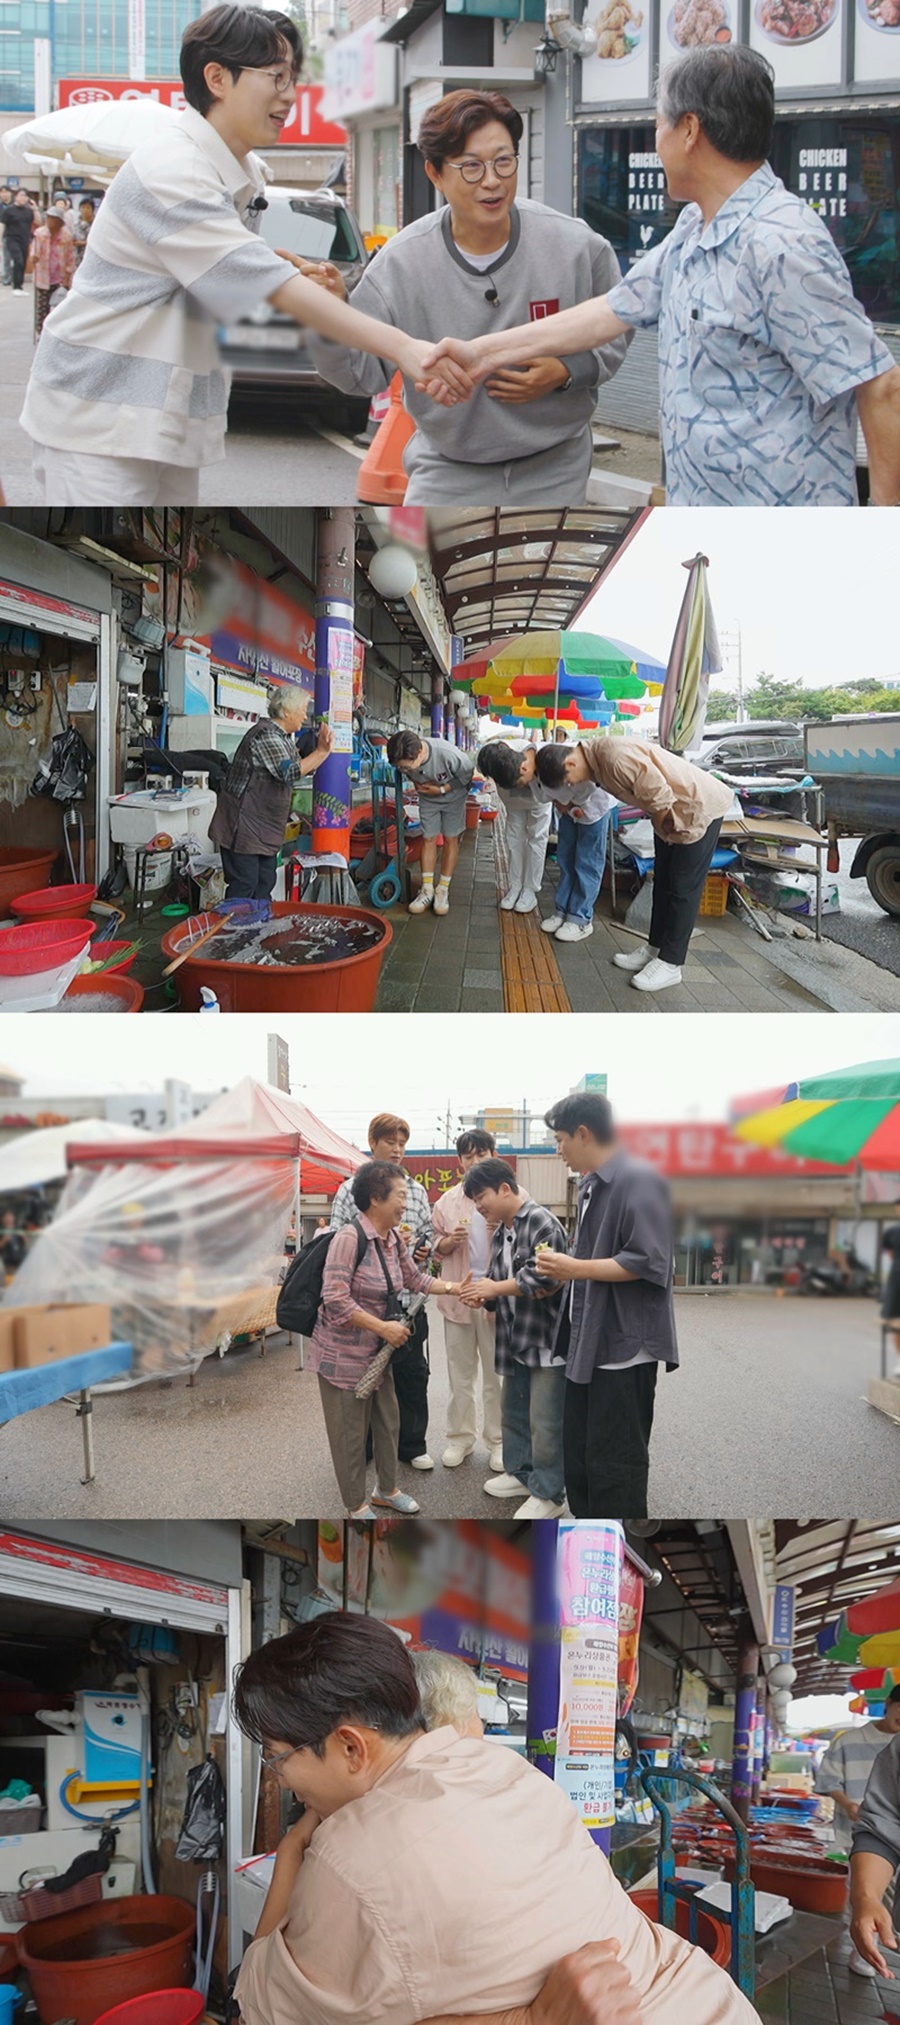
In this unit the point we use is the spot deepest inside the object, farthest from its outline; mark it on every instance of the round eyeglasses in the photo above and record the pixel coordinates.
(279, 1758)
(284, 80)
(474, 171)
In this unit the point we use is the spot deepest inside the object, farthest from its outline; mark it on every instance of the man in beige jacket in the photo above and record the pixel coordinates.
(463, 1244)
(686, 807)
(433, 1875)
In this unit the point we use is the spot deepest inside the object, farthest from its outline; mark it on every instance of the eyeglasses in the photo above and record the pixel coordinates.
(280, 1757)
(474, 171)
(284, 80)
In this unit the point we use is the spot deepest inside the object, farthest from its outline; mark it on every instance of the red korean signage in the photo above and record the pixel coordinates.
(304, 127)
(681, 1151)
(440, 1171)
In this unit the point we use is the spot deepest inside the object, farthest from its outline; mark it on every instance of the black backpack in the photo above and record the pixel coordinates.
(300, 1293)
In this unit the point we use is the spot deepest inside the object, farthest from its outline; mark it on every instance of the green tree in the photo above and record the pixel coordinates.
(721, 707)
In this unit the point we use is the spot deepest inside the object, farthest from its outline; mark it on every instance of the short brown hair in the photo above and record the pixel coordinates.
(447, 126)
(386, 1122)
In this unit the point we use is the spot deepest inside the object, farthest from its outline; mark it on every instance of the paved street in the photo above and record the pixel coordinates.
(767, 1414)
(862, 925)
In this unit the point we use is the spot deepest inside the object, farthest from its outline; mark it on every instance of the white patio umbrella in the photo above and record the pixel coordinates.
(35, 1158)
(100, 135)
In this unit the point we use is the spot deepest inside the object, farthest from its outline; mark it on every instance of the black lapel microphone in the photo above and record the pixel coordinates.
(260, 204)
(491, 296)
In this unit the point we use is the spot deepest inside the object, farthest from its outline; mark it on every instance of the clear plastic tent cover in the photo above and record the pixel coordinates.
(186, 1255)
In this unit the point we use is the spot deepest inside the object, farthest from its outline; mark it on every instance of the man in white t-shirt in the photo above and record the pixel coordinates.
(526, 819)
(843, 1774)
(463, 1241)
(583, 809)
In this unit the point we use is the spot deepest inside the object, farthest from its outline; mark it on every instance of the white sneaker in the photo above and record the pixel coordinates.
(656, 975)
(421, 1462)
(576, 931)
(505, 1486)
(539, 1508)
(497, 1456)
(442, 899)
(552, 923)
(422, 901)
(635, 959)
(455, 1453)
(526, 903)
(858, 1966)
(509, 899)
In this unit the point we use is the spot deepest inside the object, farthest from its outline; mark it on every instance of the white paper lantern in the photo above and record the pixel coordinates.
(782, 1676)
(393, 571)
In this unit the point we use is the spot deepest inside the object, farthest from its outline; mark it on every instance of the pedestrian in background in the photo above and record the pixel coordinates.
(18, 222)
(463, 1240)
(53, 251)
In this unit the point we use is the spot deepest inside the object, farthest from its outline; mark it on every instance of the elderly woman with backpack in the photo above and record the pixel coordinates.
(366, 1270)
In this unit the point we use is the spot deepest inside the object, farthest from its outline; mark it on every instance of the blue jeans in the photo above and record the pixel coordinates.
(532, 1415)
(581, 857)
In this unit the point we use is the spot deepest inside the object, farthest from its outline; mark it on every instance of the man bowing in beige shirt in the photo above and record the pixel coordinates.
(686, 807)
(433, 1876)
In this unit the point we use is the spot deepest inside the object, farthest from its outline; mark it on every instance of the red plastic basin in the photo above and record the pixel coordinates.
(41, 945)
(71, 1976)
(347, 984)
(713, 1936)
(808, 1888)
(125, 988)
(162, 2007)
(54, 903)
(19, 870)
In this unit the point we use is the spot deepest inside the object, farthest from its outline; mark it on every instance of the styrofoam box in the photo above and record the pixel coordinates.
(135, 818)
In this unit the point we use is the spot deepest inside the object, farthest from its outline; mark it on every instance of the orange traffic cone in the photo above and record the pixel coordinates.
(382, 480)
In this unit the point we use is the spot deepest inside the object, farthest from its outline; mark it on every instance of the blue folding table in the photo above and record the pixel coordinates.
(21, 1391)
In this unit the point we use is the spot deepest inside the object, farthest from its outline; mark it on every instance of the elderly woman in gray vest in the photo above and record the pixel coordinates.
(253, 808)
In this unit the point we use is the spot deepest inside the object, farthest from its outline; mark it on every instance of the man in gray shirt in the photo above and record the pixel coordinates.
(875, 1858)
(481, 262)
(619, 1319)
(443, 776)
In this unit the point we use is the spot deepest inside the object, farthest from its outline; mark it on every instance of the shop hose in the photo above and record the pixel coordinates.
(149, 1881)
(208, 1887)
(95, 1820)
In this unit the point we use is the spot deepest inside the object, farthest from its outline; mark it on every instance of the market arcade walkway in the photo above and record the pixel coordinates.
(477, 959)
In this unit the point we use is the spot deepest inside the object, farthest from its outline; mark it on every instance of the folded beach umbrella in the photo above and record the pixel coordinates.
(849, 1115)
(695, 656)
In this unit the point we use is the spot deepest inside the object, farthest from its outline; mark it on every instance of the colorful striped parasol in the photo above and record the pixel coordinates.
(846, 1116)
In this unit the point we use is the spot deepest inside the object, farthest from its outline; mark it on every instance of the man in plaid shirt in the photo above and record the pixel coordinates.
(533, 1378)
(388, 1136)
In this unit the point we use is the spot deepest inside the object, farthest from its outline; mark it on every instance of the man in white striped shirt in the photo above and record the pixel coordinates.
(128, 396)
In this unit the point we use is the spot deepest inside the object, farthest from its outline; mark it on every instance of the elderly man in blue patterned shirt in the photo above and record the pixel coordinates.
(767, 359)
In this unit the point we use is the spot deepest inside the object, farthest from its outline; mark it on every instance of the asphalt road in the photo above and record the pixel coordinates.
(767, 1416)
(862, 925)
(282, 451)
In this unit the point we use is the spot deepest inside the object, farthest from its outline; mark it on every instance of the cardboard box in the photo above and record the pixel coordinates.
(45, 1334)
(7, 1339)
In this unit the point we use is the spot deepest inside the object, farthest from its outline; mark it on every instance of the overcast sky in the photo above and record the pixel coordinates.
(684, 1066)
(814, 590)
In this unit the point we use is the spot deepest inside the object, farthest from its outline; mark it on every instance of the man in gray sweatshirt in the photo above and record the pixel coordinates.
(482, 262)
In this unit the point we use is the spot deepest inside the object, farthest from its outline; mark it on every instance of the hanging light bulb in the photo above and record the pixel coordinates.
(393, 571)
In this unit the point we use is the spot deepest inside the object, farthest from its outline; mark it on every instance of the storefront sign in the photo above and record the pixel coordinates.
(802, 39)
(33, 605)
(783, 1618)
(360, 74)
(306, 126)
(691, 23)
(684, 1150)
(439, 1171)
(822, 180)
(456, 1588)
(589, 1565)
(877, 42)
(646, 188)
(262, 634)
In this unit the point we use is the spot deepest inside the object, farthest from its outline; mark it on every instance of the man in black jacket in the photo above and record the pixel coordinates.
(17, 220)
(619, 1320)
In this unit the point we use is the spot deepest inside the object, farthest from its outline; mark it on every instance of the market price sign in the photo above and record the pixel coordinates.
(589, 1568)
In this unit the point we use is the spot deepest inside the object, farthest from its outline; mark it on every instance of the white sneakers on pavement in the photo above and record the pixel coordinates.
(442, 899)
(497, 1456)
(422, 902)
(635, 959)
(510, 900)
(421, 1462)
(552, 923)
(505, 1486)
(454, 1454)
(526, 903)
(656, 975)
(539, 1508)
(576, 931)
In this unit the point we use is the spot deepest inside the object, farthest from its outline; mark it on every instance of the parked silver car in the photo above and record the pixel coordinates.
(268, 350)
(752, 748)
